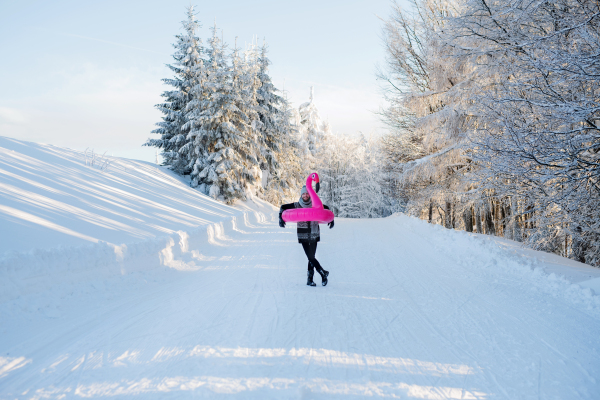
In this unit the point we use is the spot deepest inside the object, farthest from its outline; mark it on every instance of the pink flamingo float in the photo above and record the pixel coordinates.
(315, 213)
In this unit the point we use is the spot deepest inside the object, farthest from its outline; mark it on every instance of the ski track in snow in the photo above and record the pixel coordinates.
(222, 311)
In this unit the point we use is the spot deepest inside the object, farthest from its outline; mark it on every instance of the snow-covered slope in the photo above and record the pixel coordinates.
(155, 291)
(63, 217)
(50, 197)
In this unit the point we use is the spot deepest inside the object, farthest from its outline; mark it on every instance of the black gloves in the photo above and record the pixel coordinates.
(317, 187)
(330, 225)
(281, 221)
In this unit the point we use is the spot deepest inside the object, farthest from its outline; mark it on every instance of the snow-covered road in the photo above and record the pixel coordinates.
(411, 311)
(127, 283)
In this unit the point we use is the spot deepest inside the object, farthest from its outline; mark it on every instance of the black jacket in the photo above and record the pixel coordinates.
(308, 231)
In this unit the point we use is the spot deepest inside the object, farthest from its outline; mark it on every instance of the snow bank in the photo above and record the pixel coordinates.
(504, 259)
(69, 228)
(49, 197)
(41, 279)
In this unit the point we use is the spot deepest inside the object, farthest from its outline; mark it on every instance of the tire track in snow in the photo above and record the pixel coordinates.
(413, 306)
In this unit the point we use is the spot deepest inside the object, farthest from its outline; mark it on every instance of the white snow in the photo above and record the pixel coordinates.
(127, 283)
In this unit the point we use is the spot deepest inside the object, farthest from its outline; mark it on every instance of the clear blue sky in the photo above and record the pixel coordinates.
(87, 73)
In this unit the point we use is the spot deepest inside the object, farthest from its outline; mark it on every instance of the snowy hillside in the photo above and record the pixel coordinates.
(50, 197)
(126, 283)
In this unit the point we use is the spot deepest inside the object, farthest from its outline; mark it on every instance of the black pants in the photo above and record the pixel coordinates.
(310, 249)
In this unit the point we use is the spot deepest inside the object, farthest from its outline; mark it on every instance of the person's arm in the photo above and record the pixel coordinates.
(281, 210)
(330, 224)
(286, 207)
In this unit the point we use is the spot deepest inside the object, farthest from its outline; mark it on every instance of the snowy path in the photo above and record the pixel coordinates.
(411, 311)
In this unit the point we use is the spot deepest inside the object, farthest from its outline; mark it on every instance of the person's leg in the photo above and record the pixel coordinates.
(310, 254)
(311, 271)
(311, 250)
(318, 267)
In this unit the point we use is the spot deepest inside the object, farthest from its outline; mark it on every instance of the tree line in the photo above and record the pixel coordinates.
(223, 121)
(228, 129)
(493, 117)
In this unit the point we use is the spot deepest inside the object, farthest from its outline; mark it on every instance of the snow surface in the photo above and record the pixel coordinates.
(129, 284)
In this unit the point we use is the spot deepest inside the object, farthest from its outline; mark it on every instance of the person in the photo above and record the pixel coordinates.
(308, 235)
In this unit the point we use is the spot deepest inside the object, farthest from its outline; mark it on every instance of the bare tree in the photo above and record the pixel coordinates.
(423, 84)
(535, 74)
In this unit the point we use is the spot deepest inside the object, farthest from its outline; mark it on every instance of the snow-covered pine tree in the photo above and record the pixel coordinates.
(173, 129)
(312, 126)
(244, 89)
(281, 162)
(269, 105)
(224, 160)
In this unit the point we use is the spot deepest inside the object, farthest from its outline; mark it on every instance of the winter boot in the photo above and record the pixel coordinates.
(310, 282)
(324, 274)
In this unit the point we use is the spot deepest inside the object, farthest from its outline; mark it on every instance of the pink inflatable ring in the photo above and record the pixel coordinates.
(315, 213)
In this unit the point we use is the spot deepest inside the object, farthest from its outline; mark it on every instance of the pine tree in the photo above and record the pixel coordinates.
(281, 162)
(244, 89)
(269, 107)
(224, 159)
(173, 129)
(312, 126)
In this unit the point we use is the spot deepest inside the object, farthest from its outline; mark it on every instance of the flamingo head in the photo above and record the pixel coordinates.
(315, 177)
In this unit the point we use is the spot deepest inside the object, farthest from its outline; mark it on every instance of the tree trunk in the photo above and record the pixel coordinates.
(489, 220)
(503, 218)
(528, 219)
(508, 226)
(498, 217)
(430, 211)
(579, 245)
(478, 220)
(516, 231)
(447, 222)
(468, 219)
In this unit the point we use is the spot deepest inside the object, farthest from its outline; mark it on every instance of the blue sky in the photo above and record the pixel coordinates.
(88, 73)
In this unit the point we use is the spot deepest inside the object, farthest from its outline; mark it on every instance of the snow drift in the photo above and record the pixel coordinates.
(66, 222)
